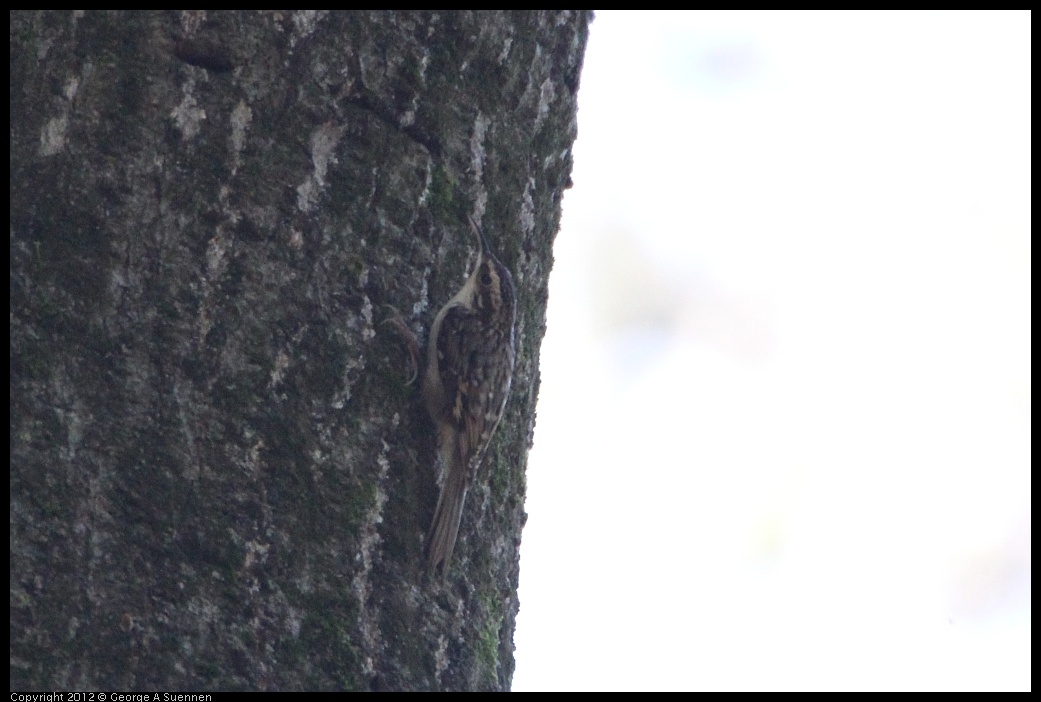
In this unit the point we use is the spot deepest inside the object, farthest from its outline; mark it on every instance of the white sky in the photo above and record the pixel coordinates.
(783, 434)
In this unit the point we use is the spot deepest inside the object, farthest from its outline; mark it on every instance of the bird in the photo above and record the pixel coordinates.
(466, 382)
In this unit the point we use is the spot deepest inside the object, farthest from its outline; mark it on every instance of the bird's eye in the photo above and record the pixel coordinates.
(486, 279)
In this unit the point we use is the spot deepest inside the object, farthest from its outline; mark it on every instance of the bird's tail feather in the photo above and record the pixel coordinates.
(444, 530)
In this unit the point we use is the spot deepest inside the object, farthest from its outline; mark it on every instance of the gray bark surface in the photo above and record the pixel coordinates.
(219, 478)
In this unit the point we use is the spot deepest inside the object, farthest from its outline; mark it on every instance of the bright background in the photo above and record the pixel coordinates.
(783, 432)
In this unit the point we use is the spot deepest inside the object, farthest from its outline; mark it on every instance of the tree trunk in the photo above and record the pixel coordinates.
(219, 477)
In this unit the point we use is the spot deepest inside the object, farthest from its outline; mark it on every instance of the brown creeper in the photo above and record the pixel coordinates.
(469, 368)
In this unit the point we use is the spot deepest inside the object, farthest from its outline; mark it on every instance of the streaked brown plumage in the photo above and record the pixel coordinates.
(469, 369)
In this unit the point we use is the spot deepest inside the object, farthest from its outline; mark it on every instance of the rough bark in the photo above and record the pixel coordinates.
(219, 478)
